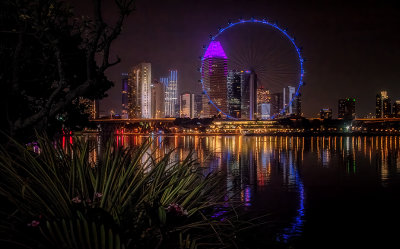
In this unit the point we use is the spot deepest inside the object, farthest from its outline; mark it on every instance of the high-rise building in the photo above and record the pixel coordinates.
(139, 95)
(263, 103)
(198, 103)
(296, 105)
(234, 93)
(214, 73)
(347, 108)
(276, 103)
(383, 105)
(396, 109)
(157, 99)
(265, 110)
(325, 113)
(171, 94)
(289, 94)
(249, 95)
(187, 105)
(125, 91)
(387, 108)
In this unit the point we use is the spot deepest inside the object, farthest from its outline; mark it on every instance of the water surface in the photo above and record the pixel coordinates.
(318, 192)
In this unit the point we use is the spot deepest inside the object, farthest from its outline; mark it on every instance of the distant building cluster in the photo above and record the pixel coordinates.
(232, 93)
(347, 108)
(384, 108)
(237, 93)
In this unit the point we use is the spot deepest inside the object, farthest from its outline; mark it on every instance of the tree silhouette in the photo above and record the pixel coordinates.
(50, 58)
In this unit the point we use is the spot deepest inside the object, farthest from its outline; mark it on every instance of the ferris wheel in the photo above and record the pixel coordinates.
(253, 45)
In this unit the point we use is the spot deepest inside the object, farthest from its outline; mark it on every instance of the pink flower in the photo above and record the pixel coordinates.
(176, 209)
(34, 223)
(98, 195)
(76, 199)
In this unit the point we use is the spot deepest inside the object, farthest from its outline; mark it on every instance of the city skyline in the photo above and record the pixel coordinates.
(357, 51)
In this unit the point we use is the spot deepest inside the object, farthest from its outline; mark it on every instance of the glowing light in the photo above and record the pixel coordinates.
(215, 50)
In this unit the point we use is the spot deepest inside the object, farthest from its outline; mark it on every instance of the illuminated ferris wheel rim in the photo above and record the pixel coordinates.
(276, 27)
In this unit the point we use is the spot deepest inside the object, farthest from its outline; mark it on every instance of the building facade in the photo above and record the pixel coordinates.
(383, 105)
(157, 99)
(276, 103)
(347, 108)
(248, 95)
(214, 74)
(234, 93)
(198, 102)
(171, 94)
(187, 105)
(289, 94)
(263, 103)
(124, 95)
(139, 91)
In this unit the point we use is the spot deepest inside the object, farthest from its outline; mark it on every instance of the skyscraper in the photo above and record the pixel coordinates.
(347, 108)
(263, 103)
(157, 99)
(198, 102)
(296, 105)
(139, 95)
(171, 94)
(276, 103)
(214, 73)
(248, 95)
(383, 106)
(125, 90)
(289, 94)
(387, 108)
(234, 93)
(187, 105)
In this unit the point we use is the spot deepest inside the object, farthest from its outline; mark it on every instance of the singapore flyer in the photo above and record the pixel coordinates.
(251, 69)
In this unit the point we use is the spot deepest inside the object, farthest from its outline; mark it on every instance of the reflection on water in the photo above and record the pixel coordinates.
(274, 174)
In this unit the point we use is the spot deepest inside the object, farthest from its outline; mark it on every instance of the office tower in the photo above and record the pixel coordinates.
(139, 95)
(263, 95)
(214, 73)
(263, 103)
(276, 103)
(249, 95)
(198, 103)
(325, 113)
(265, 110)
(187, 105)
(125, 90)
(347, 108)
(296, 105)
(234, 93)
(387, 107)
(171, 94)
(157, 99)
(289, 94)
(383, 106)
(396, 109)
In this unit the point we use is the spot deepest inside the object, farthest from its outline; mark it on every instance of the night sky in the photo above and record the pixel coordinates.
(352, 48)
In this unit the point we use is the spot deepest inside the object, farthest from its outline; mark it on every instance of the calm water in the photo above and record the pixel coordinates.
(318, 192)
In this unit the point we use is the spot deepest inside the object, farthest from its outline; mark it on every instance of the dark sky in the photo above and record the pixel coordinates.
(352, 48)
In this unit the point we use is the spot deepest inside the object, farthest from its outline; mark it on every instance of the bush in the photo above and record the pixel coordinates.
(58, 198)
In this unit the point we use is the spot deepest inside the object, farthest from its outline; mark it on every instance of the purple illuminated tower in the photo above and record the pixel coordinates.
(214, 74)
